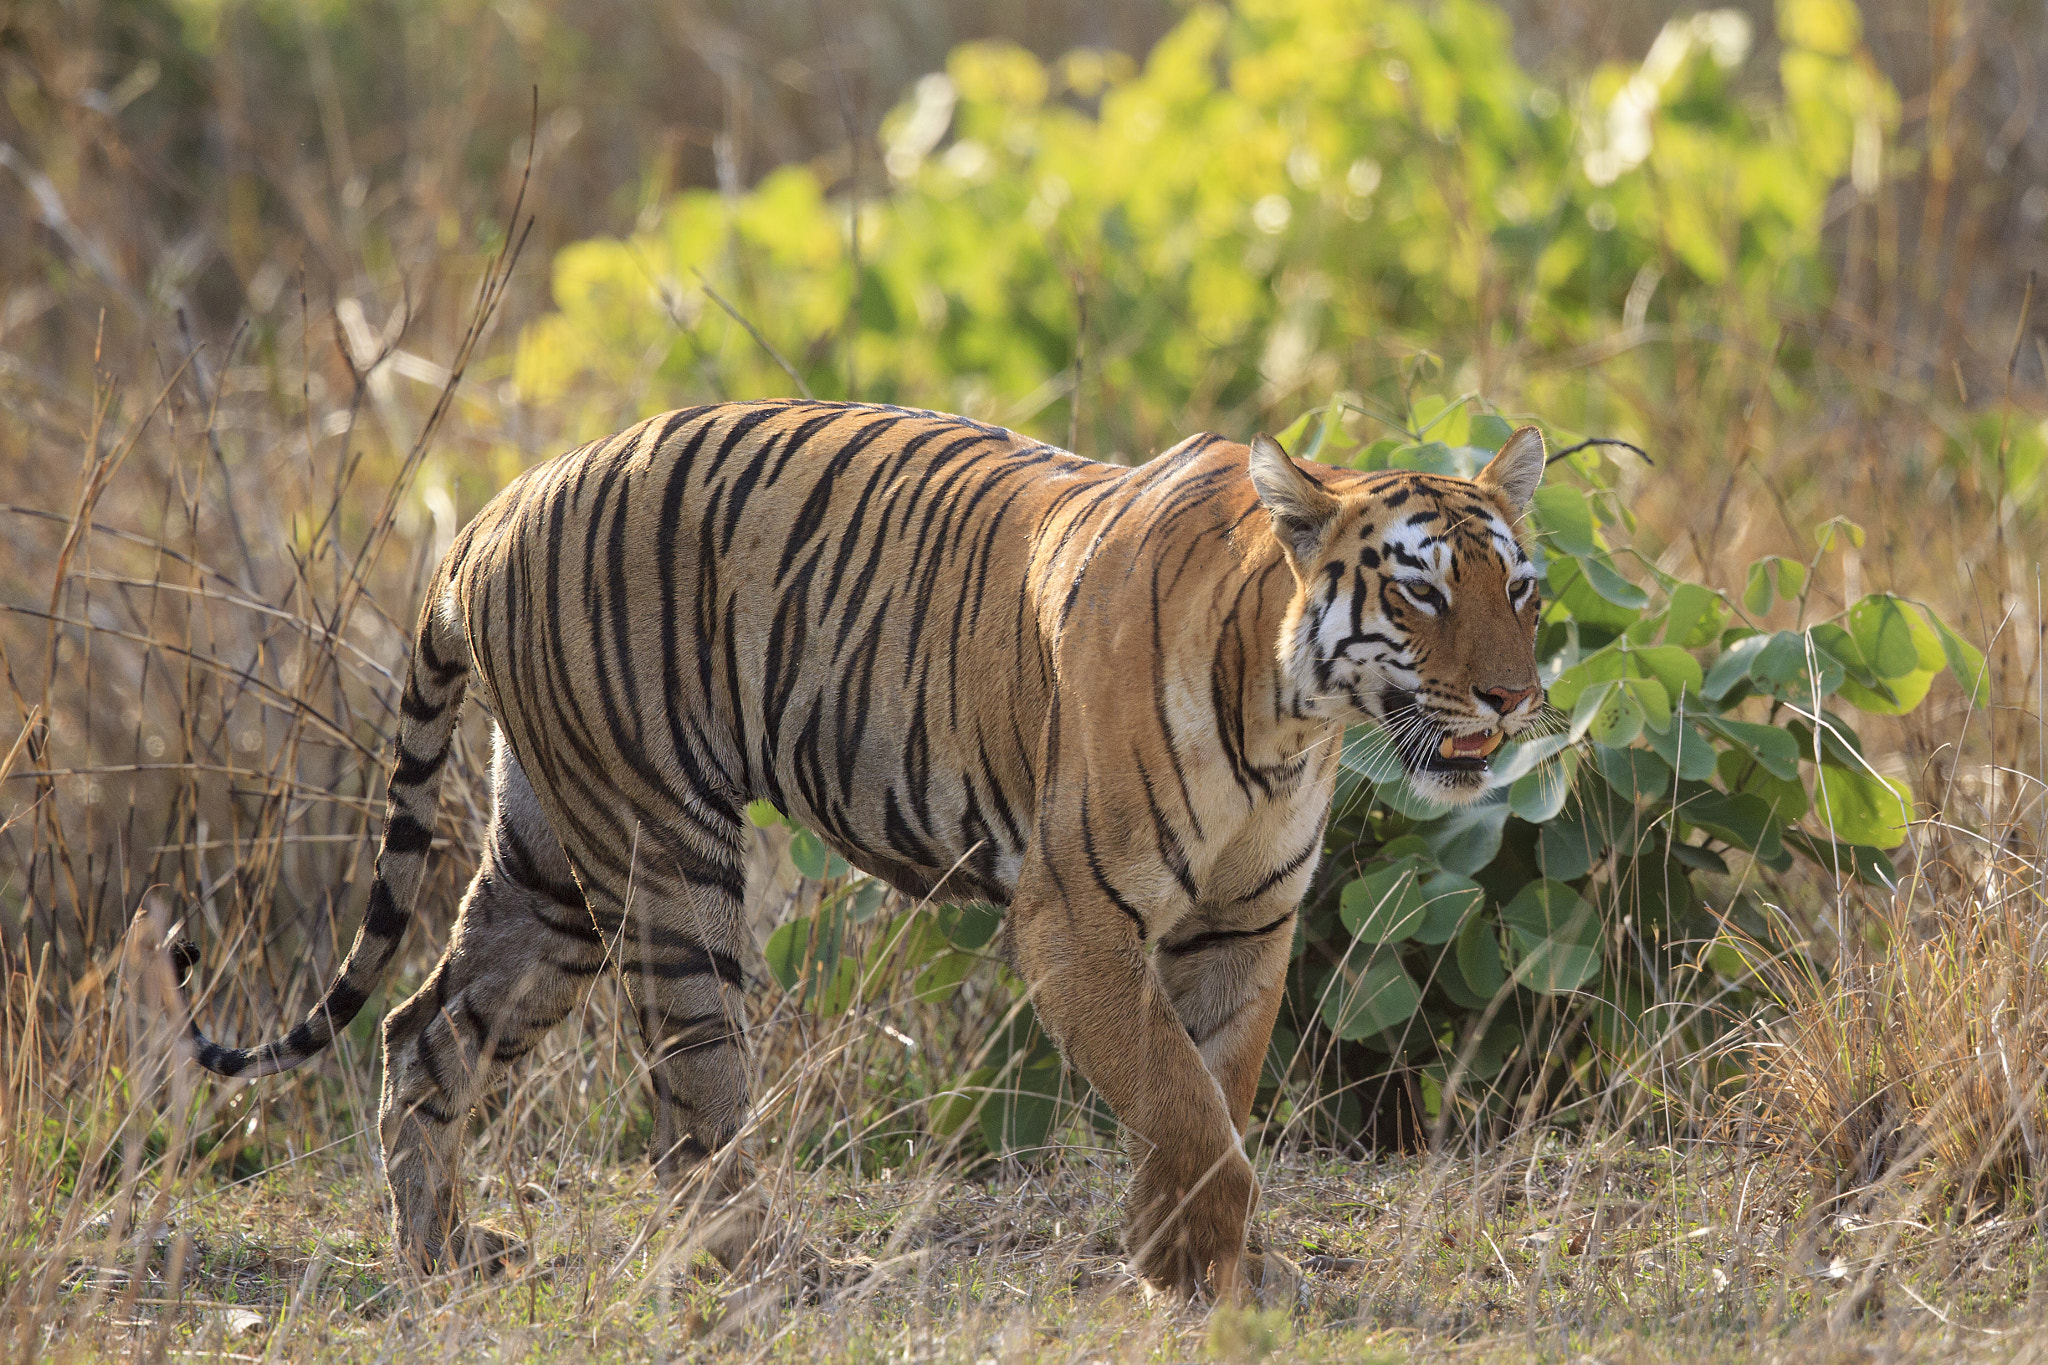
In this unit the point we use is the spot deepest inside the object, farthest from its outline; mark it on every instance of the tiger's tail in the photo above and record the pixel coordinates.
(428, 711)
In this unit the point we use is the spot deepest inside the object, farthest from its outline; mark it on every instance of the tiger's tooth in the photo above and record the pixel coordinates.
(1449, 747)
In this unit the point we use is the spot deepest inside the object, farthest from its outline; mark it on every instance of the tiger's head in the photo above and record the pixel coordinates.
(1415, 606)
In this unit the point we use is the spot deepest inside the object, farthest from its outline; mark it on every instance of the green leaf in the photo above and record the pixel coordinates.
(1565, 520)
(763, 815)
(1556, 935)
(1448, 899)
(1480, 969)
(1371, 753)
(1516, 759)
(1756, 588)
(1700, 859)
(1604, 665)
(1466, 838)
(1020, 1111)
(1863, 808)
(1775, 750)
(1489, 432)
(1582, 831)
(1682, 745)
(1837, 528)
(1884, 632)
(1791, 577)
(814, 858)
(942, 978)
(1784, 797)
(836, 987)
(787, 951)
(1485, 1057)
(1368, 994)
(1838, 644)
(1694, 617)
(1636, 774)
(1386, 905)
(1289, 437)
(867, 896)
(1782, 658)
(969, 924)
(1378, 455)
(1892, 697)
(809, 942)
(1784, 668)
(1733, 666)
(1538, 795)
(1965, 661)
(1609, 712)
(1658, 892)
(1868, 865)
(1602, 578)
(1573, 596)
(1671, 666)
(952, 1109)
(1649, 694)
(1743, 820)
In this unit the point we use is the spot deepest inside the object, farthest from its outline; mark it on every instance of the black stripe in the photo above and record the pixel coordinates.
(412, 769)
(404, 834)
(382, 918)
(1101, 875)
(344, 1001)
(414, 707)
(1216, 936)
(1284, 871)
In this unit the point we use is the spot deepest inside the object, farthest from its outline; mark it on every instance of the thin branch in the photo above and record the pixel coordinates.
(754, 332)
(1599, 441)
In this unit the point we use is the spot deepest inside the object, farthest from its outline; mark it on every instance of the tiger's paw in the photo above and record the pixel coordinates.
(1186, 1224)
(1271, 1280)
(733, 1229)
(484, 1250)
(472, 1248)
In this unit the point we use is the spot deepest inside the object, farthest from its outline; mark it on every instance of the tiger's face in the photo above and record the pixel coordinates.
(1415, 607)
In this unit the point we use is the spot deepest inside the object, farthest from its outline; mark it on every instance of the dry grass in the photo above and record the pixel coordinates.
(1917, 1060)
(1545, 1248)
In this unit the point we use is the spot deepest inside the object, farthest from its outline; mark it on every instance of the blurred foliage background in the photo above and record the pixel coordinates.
(1787, 248)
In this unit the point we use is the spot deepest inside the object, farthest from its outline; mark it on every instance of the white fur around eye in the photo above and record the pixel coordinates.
(1425, 596)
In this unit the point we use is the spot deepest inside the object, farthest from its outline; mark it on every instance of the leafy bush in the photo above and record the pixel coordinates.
(1291, 197)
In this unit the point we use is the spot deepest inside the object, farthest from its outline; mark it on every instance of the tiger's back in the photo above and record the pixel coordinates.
(857, 611)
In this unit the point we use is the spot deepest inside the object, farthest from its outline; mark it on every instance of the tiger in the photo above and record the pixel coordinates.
(1106, 698)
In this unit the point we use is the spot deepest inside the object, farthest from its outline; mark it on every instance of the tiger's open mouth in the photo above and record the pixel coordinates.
(1463, 753)
(1430, 748)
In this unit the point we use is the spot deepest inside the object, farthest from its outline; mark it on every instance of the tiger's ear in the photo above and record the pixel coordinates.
(1515, 472)
(1302, 512)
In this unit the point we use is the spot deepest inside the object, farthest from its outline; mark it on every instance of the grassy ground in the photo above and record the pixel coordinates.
(1553, 1250)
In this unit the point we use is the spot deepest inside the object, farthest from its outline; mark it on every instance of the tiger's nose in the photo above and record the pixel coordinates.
(1504, 699)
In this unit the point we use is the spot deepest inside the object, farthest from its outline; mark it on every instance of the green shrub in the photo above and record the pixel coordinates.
(1290, 198)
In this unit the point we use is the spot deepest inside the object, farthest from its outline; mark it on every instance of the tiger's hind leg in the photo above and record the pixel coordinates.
(522, 952)
(684, 952)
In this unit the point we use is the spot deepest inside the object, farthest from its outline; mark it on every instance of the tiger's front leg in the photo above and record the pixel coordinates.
(1097, 993)
(1225, 969)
